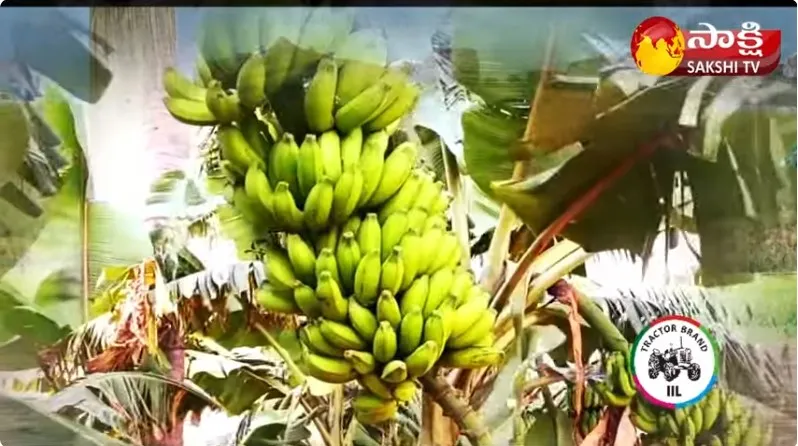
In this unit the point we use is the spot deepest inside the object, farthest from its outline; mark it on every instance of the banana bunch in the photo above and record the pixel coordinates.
(590, 419)
(717, 420)
(618, 389)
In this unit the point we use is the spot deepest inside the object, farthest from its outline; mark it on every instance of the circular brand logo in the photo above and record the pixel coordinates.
(675, 362)
(657, 46)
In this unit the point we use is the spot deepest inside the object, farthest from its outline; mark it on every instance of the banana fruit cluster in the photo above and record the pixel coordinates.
(717, 420)
(346, 82)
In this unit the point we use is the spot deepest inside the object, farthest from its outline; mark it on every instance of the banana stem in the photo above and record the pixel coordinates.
(457, 409)
(499, 245)
(286, 357)
(594, 316)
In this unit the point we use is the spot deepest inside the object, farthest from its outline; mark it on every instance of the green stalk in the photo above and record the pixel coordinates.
(292, 367)
(456, 408)
(593, 315)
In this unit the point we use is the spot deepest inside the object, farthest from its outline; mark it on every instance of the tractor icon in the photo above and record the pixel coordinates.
(671, 362)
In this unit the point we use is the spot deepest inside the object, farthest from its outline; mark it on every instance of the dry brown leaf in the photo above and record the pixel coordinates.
(626, 435)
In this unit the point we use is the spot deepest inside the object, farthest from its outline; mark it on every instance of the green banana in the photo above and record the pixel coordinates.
(439, 285)
(416, 220)
(472, 358)
(190, 112)
(371, 409)
(645, 425)
(469, 313)
(397, 168)
(392, 271)
(259, 192)
(448, 246)
(372, 161)
(400, 107)
(375, 385)
(351, 148)
(320, 97)
(251, 82)
(347, 194)
(309, 164)
(428, 194)
(178, 86)
(363, 362)
(393, 229)
(332, 370)
(422, 359)
(403, 199)
(352, 224)
(405, 391)
(302, 258)
(411, 252)
(258, 135)
(364, 54)
(318, 205)
(224, 105)
(388, 309)
(347, 256)
(328, 262)
(330, 144)
(385, 344)
(279, 271)
(285, 209)
(362, 320)
(276, 300)
(435, 329)
(411, 330)
(430, 242)
(315, 341)
(394, 372)
(306, 300)
(333, 304)
(477, 331)
(283, 163)
(327, 239)
(236, 149)
(415, 298)
(612, 398)
(369, 234)
(341, 335)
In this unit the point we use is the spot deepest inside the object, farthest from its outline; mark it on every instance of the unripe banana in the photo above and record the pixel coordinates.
(411, 330)
(330, 144)
(190, 112)
(715, 441)
(352, 224)
(365, 54)
(388, 309)
(202, 72)
(376, 410)
(448, 246)
(405, 391)
(283, 163)
(309, 165)
(331, 370)
(327, 239)
(697, 417)
(439, 285)
(416, 219)
(251, 82)
(393, 230)
(369, 235)
(367, 278)
(422, 359)
(472, 358)
(351, 147)
(363, 362)
(375, 385)
(441, 204)
(178, 86)
(302, 257)
(433, 221)
(276, 300)
(397, 109)
(385, 343)
(320, 96)
(416, 296)
(341, 335)
(346, 195)
(278, 268)
(259, 192)
(435, 329)
(256, 132)
(428, 194)
(411, 256)
(311, 336)
(362, 320)
(430, 242)
(225, 106)
(318, 206)
(328, 262)
(487, 341)
(480, 328)
(347, 257)
(403, 199)
(614, 399)
(306, 300)
(279, 57)
(396, 78)
(357, 111)
(753, 434)
(461, 285)
(372, 160)
(469, 313)
(392, 271)
(645, 425)
(250, 210)
(711, 408)
(394, 372)
(397, 168)
(333, 305)
(236, 149)
(285, 209)
(622, 376)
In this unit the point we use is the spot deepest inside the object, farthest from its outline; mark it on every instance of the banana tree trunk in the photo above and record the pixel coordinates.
(131, 137)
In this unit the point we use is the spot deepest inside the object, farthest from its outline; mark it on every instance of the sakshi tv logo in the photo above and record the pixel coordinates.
(661, 48)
